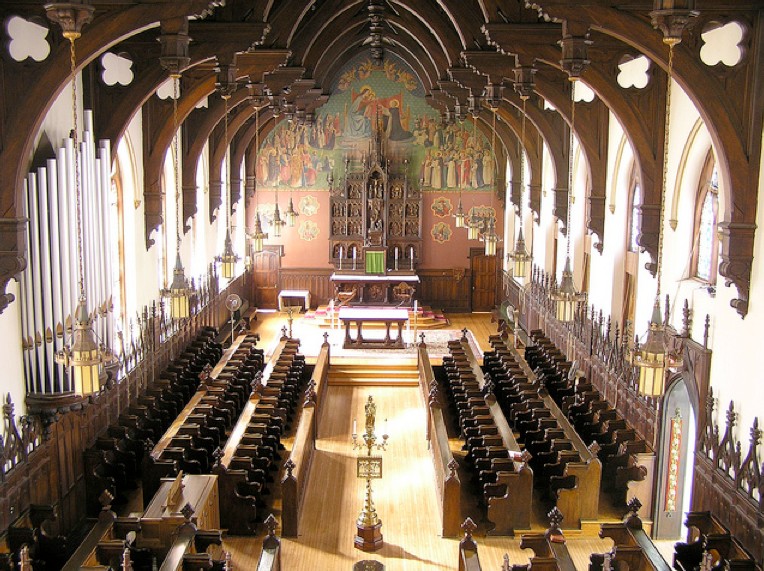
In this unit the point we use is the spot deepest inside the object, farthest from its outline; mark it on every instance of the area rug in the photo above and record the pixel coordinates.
(436, 340)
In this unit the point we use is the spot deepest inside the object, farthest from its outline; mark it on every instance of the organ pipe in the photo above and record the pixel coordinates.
(49, 283)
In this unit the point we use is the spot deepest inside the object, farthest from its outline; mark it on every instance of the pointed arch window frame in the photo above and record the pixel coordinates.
(707, 188)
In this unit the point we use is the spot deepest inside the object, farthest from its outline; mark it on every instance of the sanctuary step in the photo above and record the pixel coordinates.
(426, 318)
(385, 373)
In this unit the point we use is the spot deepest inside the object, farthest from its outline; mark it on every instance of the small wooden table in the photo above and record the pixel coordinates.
(302, 294)
(348, 315)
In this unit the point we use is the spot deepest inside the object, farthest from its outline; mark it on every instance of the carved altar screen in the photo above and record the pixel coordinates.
(376, 210)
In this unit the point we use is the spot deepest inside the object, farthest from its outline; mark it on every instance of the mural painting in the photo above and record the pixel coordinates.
(308, 205)
(308, 230)
(441, 232)
(441, 207)
(366, 100)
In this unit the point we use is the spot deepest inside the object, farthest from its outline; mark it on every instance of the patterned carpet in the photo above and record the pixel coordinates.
(436, 340)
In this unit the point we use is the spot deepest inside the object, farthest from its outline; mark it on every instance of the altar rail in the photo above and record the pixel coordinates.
(41, 453)
(297, 466)
(446, 478)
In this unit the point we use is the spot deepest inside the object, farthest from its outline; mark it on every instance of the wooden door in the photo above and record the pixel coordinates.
(265, 279)
(484, 281)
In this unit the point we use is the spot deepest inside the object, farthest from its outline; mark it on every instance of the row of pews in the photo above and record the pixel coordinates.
(297, 466)
(628, 461)
(447, 482)
(114, 463)
(566, 470)
(201, 427)
(244, 465)
(498, 464)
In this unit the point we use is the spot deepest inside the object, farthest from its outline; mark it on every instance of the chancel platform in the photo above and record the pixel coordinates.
(386, 316)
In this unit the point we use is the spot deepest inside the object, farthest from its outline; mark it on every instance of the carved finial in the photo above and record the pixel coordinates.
(686, 319)
(127, 564)
(257, 383)
(228, 565)
(421, 340)
(310, 397)
(505, 566)
(326, 337)
(271, 524)
(607, 561)
(289, 466)
(464, 338)
(453, 466)
(284, 333)
(25, 563)
(755, 433)
(594, 447)
(488, 387)
(706, 327)
(218, 454)
(469, 528)
(105, 500)
(187, 512)
(555, 519)
(434, 400)
(632, 519)
(634, 505)
(731, 416)
(8, 407)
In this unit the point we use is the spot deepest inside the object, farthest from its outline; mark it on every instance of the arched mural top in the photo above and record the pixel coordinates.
(366, 99)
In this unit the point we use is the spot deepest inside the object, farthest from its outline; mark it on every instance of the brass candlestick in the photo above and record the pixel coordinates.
(368, 524)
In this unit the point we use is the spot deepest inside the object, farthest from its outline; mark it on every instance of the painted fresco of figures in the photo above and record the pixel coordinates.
(369, 99)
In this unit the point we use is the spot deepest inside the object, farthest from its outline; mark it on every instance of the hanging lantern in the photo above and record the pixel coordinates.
(178, 293)
(228, 258)
(652, 356)
(490, 238)
(459, 215)
(566, 298)
(473, 227)
(258, 236)
(520, 257)
(277, 222)
(86, 355)
(291, 214)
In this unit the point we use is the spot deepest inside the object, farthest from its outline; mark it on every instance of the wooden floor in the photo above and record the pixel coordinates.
(405, 499)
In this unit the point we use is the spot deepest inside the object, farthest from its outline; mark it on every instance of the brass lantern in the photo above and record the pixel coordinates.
(520, 257)
(566, 298)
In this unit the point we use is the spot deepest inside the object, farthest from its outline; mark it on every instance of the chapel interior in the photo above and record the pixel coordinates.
(381, 284)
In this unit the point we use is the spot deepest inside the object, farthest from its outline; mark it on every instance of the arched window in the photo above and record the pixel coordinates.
(635, 201)
(705, 252)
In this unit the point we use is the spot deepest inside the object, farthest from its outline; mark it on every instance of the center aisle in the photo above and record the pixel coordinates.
(404, 497)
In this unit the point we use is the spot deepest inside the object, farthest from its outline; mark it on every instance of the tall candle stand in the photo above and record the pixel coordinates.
(368, 467)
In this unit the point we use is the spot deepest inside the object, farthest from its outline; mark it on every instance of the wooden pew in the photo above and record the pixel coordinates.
(708, 535)
(580, 502)
(631, 545)
(468, 551)
(550, 553)
(447, 480)
(239, 459)
(297, 466)
(270, 556)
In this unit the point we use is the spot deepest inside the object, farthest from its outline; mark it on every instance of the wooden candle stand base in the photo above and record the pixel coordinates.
(369, 538)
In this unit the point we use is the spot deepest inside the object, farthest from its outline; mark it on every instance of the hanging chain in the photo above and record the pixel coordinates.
(176, 158)
(495, 161)
(257, 153)
(77, 182)
(666, 131)
(520, 144)
(227, 165)
(570, 159)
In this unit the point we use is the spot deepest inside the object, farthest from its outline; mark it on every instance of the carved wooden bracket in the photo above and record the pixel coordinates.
(649, 216)
(153, 201)
(560, 209)
(595, 221)
(736, 260)
(12, 256)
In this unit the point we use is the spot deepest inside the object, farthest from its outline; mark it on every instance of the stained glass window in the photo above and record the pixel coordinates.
(706, 229)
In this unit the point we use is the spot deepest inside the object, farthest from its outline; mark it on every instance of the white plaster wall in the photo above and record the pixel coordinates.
(13, 365)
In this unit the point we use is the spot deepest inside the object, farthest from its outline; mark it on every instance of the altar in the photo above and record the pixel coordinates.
(370, 289)
(361, 315)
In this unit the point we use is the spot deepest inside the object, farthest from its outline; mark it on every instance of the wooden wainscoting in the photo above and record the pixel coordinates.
(315, 280)
(447, 289)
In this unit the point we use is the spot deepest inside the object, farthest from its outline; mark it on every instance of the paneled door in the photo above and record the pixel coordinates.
(265, 279)
(484, 280)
